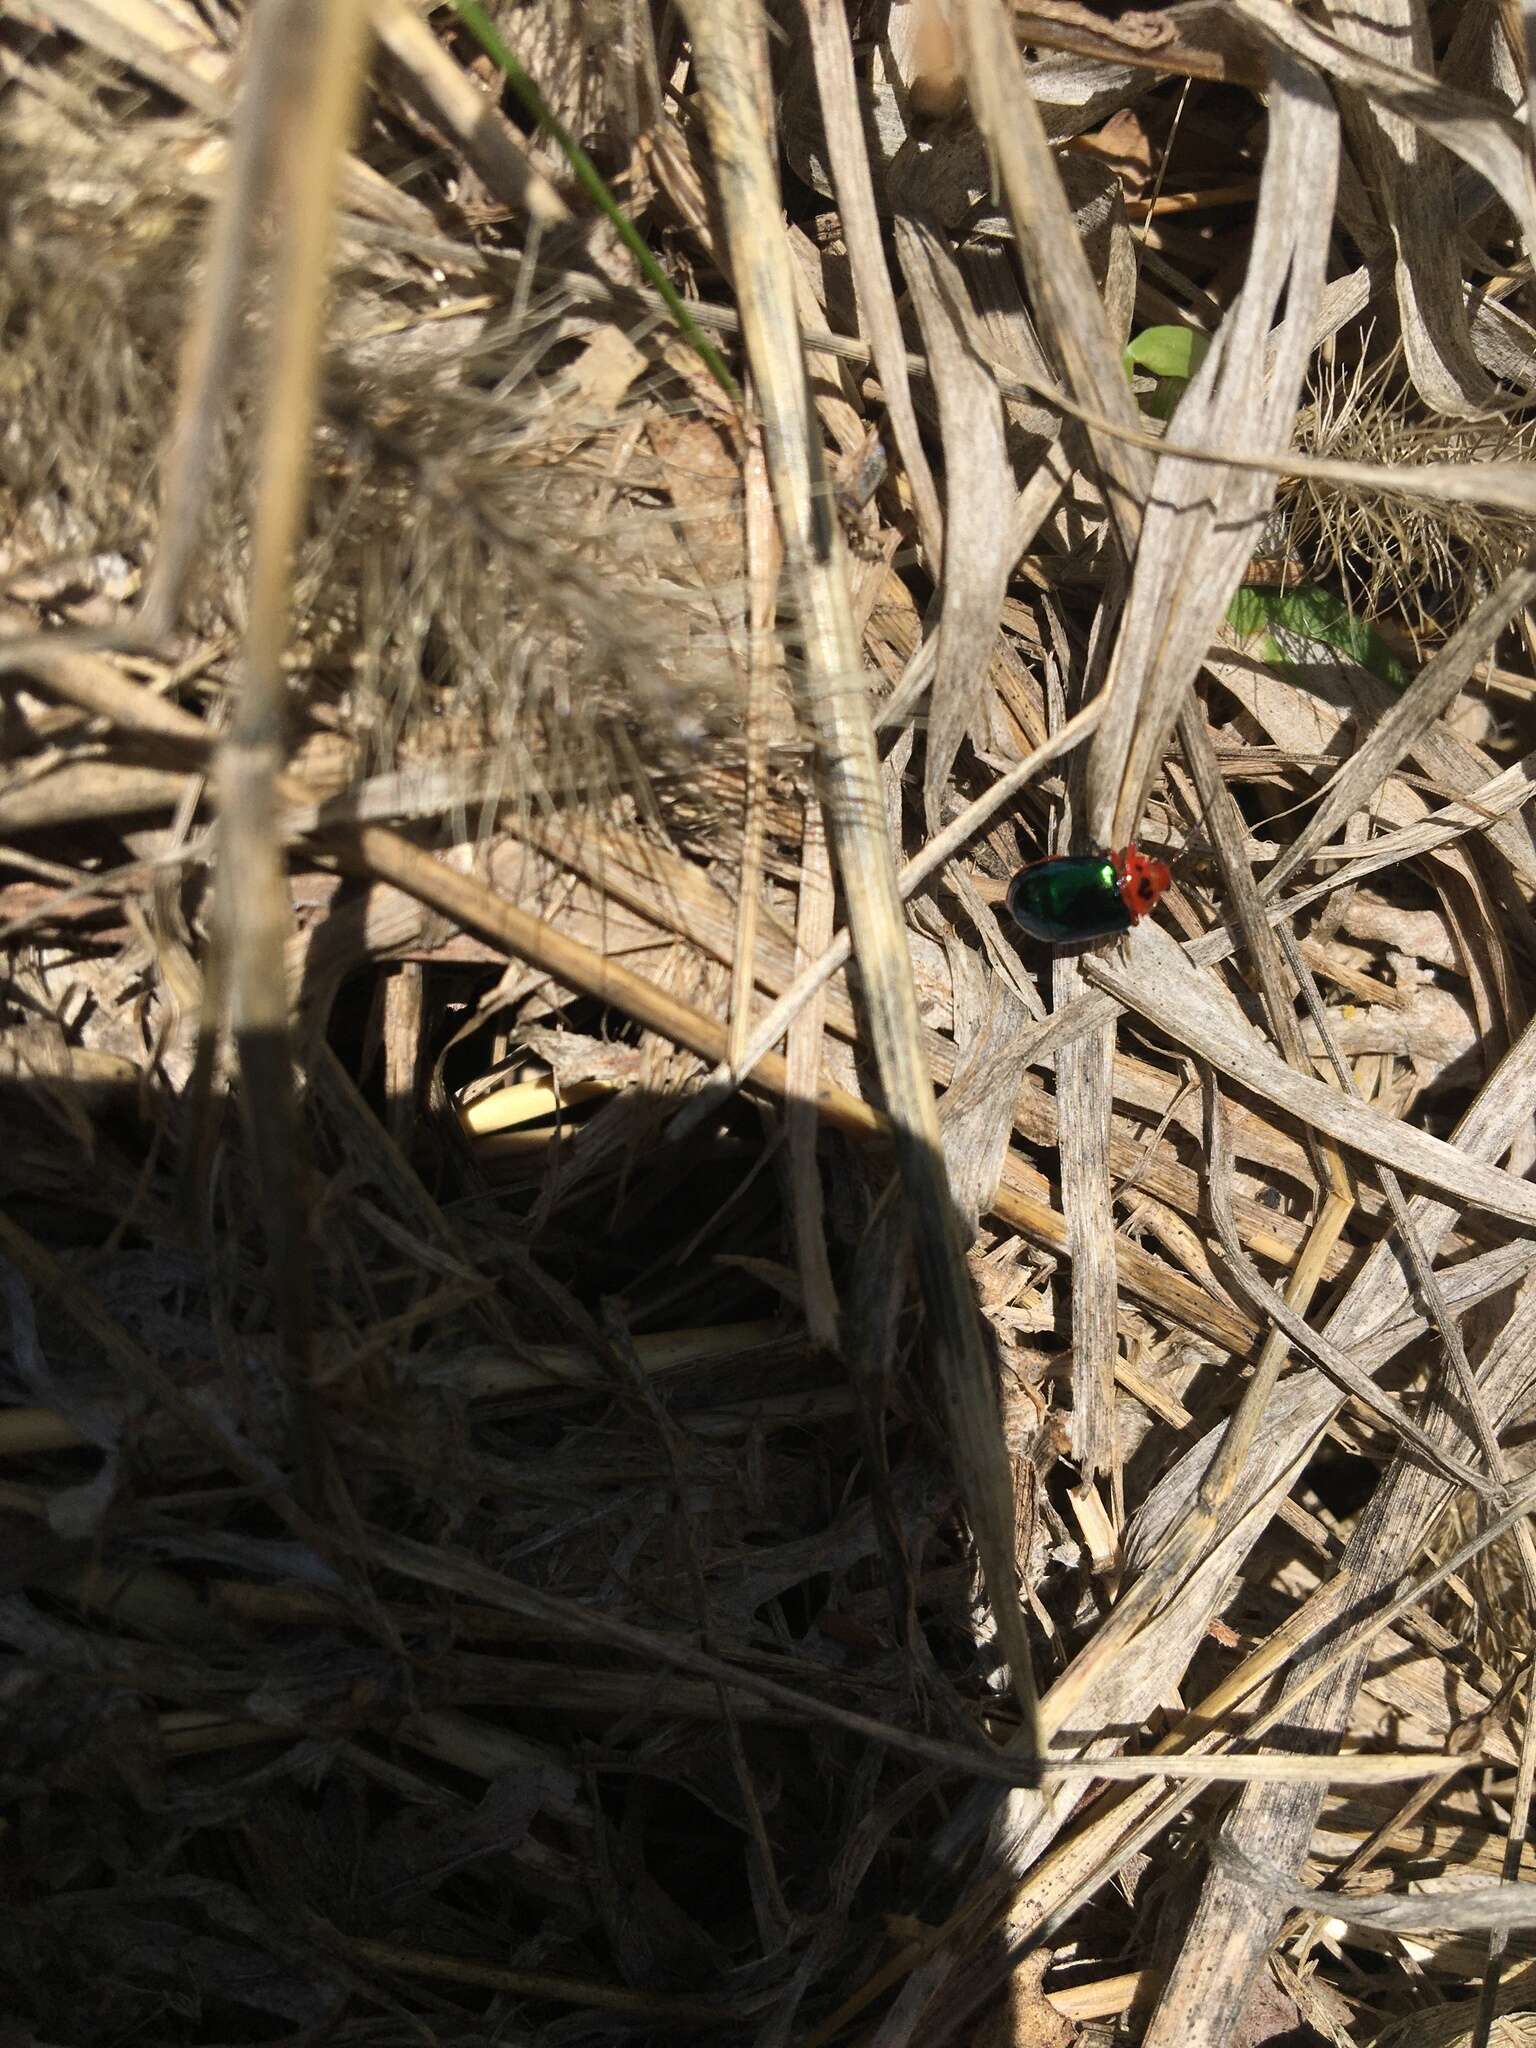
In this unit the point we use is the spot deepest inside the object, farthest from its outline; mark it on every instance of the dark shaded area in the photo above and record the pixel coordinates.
(250, 1764)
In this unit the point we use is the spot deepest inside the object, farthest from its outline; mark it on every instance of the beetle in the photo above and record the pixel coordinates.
(1077, 896)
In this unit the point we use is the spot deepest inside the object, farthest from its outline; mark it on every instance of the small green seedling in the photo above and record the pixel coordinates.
(1170, 356)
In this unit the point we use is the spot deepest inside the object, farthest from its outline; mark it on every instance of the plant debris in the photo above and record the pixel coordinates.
(624, 1415)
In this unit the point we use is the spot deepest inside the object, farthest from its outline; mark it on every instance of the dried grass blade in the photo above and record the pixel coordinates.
(1409, 175)
(1140, 1275)
(1055, 265)
(764, 563)
(1311, 725)
(1192, 42)
(384, 855)
(1231, 1931)
(1508, 486)
(137, 39)
(212, 339)
(1169, 993)
(1113, 1834)
(977, 1110)
(813, 927)
(1064, 1878)
(1228, 1768)
(978, 560)
(591, 181)
(1503, 1906)
(1235, 1923)
(1509, 1343)
(1427, 1281)
(1084, 1072)
(373, 850)
(1482, 134)
(437, 1566)
(910, 879)
(1336, 1363)
(1171, 1565)
(729, 61)
(848, 156)
(1200, 529)
(646, 2008)
(1427, 698)
(1516, 1839)
(138, 1369)
(1225, 827)
(467, 113)
(252, 886)
(389, 857)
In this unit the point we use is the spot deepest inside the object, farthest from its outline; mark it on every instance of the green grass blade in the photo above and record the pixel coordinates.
(592, 183)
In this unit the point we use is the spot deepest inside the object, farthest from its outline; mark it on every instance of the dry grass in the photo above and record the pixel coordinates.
(1411, 565)
(625, 1417)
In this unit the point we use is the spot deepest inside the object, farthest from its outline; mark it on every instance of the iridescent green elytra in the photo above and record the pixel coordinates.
(1075, 897)
(1081, 896)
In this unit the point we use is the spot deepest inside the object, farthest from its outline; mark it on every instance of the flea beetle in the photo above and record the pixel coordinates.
(1086, 895)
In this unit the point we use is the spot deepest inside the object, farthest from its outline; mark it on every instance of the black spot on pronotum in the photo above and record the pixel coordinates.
(1146, 890)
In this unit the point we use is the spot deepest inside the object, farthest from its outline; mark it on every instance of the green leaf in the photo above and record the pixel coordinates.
(1171, 355)
(1167, 351)
(1248, 614)
(1309, 616)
